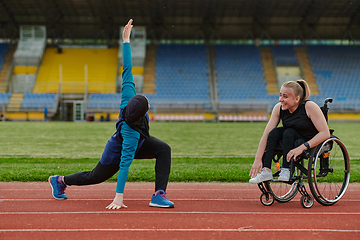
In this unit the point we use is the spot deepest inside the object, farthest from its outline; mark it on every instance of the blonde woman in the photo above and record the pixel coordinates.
(301, 119)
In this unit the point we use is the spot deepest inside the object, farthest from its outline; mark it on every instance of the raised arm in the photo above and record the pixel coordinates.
(130, 140)
(128, 85)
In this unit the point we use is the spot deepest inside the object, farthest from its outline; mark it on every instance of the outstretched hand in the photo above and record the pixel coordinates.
(127, 31)
(256, 168)
(117, 202)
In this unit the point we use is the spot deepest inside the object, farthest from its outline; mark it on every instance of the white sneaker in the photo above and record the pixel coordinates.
(264, 175)
(284, 175)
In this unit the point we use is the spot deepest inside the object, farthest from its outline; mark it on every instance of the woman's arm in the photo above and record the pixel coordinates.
(273, 122)
(317, 117)
(129, 146)
(128, 85)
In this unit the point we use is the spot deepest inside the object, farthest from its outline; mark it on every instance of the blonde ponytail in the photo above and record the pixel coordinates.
(301, 88)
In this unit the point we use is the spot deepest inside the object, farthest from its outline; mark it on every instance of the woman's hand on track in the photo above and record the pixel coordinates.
(118, 202)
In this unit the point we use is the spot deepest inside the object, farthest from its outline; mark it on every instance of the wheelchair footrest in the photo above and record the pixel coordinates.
(262, 188)
(302, 189)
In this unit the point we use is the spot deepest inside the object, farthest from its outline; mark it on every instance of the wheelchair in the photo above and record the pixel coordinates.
(327, 173)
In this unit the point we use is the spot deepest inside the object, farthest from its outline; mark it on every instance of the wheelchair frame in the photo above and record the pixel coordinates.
(327, 162)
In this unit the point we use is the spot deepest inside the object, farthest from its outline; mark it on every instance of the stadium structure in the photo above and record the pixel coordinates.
(213, 60)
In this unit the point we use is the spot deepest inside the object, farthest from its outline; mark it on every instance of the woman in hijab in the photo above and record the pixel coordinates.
(130, 141)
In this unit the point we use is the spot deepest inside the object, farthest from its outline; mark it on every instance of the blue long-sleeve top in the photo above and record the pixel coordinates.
(126, 141)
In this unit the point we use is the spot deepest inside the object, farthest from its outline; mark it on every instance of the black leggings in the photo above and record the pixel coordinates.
(287, 136)
(151, 148)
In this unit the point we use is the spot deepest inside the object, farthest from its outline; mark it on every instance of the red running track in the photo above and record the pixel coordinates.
(202, 211)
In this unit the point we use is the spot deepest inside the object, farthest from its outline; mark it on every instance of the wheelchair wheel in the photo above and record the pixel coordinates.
(307, 201)
(267, 199)
(330, 171)
(282, 191)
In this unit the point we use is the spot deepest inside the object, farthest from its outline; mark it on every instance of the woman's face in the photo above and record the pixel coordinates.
(288, 100)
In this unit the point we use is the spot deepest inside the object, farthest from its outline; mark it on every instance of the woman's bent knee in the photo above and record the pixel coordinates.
(276, 133)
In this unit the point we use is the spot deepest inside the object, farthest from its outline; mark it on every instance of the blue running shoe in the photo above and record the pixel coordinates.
(159, 199)
(58, 190)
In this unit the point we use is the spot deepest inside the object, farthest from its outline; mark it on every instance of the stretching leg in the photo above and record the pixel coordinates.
(161, 151)
(99, 174)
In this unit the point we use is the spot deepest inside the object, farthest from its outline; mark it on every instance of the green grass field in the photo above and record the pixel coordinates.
(31, 151)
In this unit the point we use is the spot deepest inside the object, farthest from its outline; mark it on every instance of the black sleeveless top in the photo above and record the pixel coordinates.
(299, 121)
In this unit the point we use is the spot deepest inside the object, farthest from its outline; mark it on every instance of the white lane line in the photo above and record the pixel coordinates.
(146, 199)
(174, 212)
(135, 199)
(245, 229)
(137, 189)
(141, 189)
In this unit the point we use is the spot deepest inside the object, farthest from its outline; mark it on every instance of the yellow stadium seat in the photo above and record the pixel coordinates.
(101, 70)
(25, 69)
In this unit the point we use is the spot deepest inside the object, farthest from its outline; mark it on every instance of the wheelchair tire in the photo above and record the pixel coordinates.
(330, 171)
(282, 191)
(267, 199)
(307, 201)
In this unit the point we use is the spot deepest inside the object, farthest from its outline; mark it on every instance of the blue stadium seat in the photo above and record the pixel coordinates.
(181, 73)
(38, 100)
(336, 71)
(284, 55)
(104, 100)
(239, 73)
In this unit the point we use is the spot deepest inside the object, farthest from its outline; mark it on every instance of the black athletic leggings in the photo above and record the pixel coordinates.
(288, 137)
(151, 148)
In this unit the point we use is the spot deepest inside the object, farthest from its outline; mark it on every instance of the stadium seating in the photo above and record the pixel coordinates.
(284, 55)
(337, 73)
(182, 77)
(104, 101)
(239, 73)
(38, 100)
(181, 74)
(4, 98)
(101, 74)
